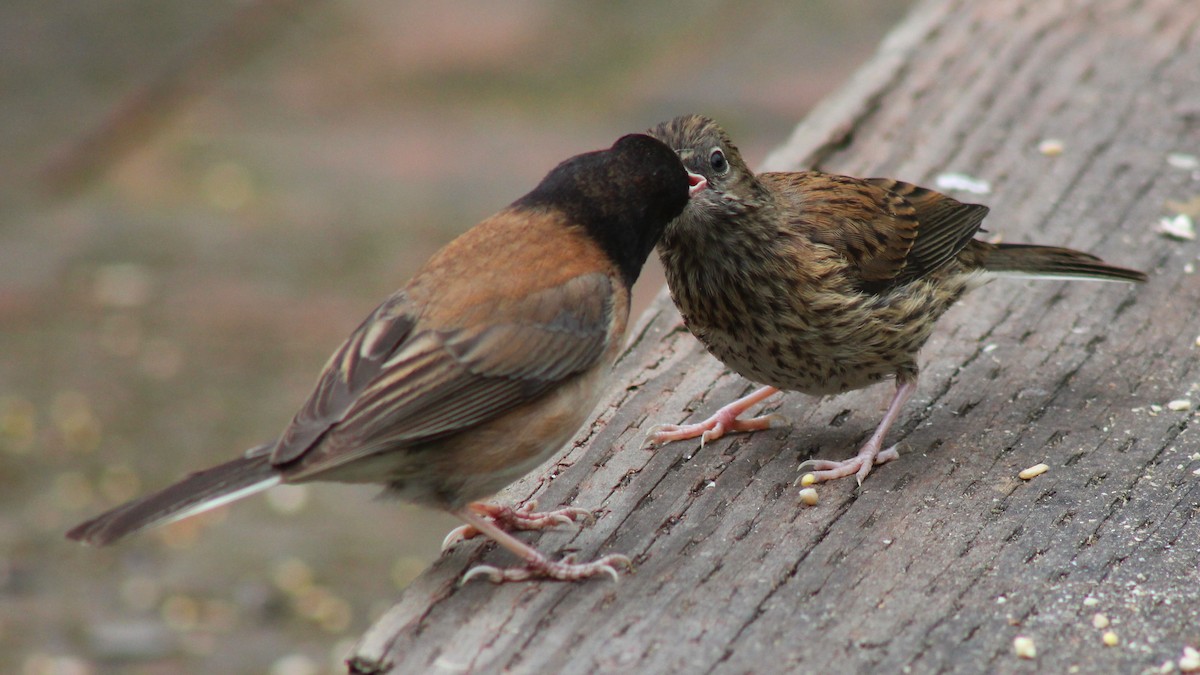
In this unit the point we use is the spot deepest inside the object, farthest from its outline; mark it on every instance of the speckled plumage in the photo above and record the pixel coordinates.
(821, 283)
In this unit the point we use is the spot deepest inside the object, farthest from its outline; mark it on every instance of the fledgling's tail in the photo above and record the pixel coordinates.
(1052, 262)
(195, 494)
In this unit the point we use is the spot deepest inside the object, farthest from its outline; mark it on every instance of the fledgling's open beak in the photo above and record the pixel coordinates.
(697, 183)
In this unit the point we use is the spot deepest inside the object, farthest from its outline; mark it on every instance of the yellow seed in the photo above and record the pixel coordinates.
(1110, 639)
(1035, 470)
(807, 480)
(1024, 647)
(1051, 147)
(1100, 621)
(809, 496)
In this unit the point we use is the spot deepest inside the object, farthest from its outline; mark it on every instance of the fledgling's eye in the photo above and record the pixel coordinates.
(718, 162)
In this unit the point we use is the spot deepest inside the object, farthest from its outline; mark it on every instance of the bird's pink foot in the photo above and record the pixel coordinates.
(536, 565)
(562, 570)
(858, 466)
(712, 428)
(725, 420)
(521, 518)
(870, 454)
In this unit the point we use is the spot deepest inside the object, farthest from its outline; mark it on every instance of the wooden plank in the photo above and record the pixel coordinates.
(944, 557)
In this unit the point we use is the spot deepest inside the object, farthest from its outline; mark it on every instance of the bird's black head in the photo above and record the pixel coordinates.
(706, 149)
(623, 197)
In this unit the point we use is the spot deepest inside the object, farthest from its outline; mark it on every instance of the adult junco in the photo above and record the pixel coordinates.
(484, 364)
(821, 284)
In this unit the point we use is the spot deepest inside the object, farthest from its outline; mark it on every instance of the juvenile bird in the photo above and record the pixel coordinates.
(821, 284)
(478, 369)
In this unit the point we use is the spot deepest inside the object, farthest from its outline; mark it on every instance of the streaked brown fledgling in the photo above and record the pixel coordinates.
(484, 364)
(821, 284)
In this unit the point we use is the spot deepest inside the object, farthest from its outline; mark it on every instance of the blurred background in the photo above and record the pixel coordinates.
(198, 201)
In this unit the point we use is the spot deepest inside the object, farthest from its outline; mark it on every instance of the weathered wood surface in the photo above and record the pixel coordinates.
(945, 556)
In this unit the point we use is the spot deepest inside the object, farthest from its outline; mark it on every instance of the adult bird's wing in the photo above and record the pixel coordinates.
(397, 382)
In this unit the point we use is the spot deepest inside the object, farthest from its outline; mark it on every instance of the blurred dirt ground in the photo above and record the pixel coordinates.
(176, 308)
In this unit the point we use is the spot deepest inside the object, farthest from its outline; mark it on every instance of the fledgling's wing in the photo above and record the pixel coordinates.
(871, 228)
(944, 226)
(888, 232)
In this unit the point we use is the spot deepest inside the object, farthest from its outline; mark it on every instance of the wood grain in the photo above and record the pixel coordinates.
(945, 556)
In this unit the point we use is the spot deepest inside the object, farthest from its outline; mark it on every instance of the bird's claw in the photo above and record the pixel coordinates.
(708, 430)
(661, 434)
(563, 570)
(522, 518)
(858, 466)
(460, 533)
(494, 574)
(712, 429)
(776, 421)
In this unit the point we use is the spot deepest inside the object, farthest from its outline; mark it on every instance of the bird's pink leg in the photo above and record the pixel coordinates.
(870, 454)
(521, 518)
(537, 566)
(724, 420)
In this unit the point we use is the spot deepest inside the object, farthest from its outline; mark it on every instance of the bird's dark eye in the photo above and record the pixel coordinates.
(718, 162)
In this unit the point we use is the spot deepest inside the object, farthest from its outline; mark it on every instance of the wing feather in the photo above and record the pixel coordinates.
(890, 232)
(397, 382)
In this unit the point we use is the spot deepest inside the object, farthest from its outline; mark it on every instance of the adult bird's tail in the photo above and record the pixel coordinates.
(195, 494)
(1052, 262)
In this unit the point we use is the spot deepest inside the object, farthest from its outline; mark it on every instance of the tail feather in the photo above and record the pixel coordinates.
(1053, 262)
(196, 493)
